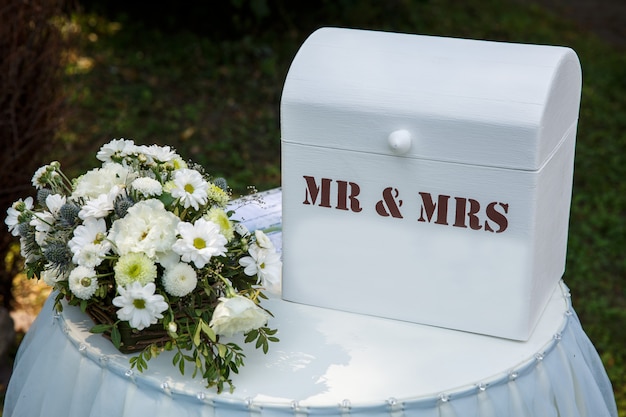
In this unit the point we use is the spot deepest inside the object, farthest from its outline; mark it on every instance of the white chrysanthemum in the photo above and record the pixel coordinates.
(139, 305)
(147, 227)
(217, 195)
(83, 282)
(190, 188)
(13, 213)
(92, 231)
(199, 242)
(180, 280)
(266, 264)
(237, 314)
(156, 153)
(100, 206)
(179, 163)
(134, 267)
(91, 255)
(54, 202)
(146, 186)
(102, 180)
(117, 148)
(219, 217)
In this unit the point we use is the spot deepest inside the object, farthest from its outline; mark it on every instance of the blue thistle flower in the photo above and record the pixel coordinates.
(68, 214)
(58, 254)
(122, 204)
(42, 194)
(221, 182)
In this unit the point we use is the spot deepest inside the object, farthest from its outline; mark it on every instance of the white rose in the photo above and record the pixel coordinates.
(262, 240)
(237, 314)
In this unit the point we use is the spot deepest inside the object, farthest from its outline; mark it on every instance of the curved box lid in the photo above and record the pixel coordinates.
(466, 101)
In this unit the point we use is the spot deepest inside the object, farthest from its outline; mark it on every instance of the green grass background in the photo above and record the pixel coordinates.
(216, 100)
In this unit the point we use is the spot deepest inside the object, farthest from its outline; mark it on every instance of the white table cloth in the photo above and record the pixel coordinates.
(328, 363)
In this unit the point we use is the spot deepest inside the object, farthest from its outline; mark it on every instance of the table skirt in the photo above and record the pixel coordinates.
(59, 374)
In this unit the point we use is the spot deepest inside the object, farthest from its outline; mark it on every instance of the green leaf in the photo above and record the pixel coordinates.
(252, 334)
(196, 335)
(167, 199)
(269, 331)
(116, 337)
(221, 350)
(208, 331)
(100, 328)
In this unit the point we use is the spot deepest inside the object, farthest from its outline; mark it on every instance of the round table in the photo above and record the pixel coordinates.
(327, 363)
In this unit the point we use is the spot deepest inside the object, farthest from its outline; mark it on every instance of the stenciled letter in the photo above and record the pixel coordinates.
(428, 208)
(343, 197)
(497, 217)
(474, 207)
(312, 190)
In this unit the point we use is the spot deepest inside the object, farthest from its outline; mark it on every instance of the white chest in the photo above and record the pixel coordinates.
(428, 179)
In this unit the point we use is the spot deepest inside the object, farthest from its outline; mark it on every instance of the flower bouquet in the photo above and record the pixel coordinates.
(146, 246)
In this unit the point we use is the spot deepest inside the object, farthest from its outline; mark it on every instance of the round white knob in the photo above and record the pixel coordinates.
(400, 141)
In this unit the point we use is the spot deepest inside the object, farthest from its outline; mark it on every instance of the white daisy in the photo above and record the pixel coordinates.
(83, 282)
(266, 264)
(13, 213)
(190, 188)
(237, 314)
(54, 202)
(180, 279)
(42, 222)
(139, 305)
(89, 243)
(38, 179)
(199, 242)
(45, 175)
(147, 187)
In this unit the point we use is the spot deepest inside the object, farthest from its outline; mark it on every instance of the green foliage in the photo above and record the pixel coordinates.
(218, 100)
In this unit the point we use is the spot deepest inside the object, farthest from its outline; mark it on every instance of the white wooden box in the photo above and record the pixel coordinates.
(428, 179)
